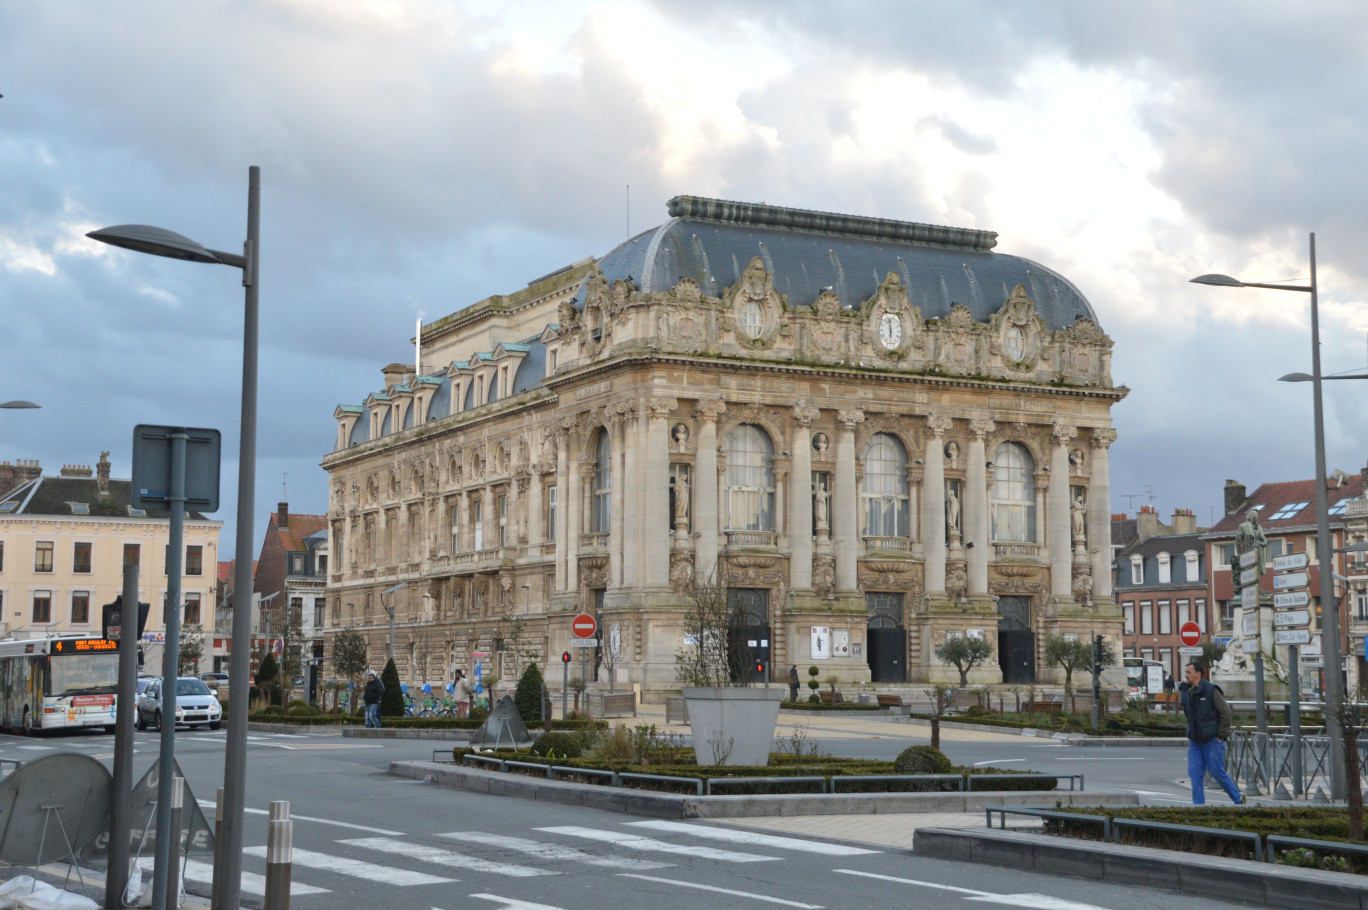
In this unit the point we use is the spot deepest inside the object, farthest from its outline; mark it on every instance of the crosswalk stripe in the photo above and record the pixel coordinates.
(445, 857)
(753, 838)
(552, 851)
(341, 865)
(508, 903)
(783, 902)
(252, 883)
(650, 845)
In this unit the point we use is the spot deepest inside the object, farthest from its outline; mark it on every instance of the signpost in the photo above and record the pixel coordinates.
(1290, 622)
(1189, 633)
(583, 627)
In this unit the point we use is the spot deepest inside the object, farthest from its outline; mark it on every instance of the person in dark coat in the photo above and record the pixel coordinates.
(1208, 727)
(793, 683)
(371, 698)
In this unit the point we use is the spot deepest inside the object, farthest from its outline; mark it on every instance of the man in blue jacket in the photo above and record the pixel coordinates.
(1208, 728)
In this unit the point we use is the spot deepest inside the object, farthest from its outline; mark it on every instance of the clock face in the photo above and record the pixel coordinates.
(890, 330)
(1015, 343)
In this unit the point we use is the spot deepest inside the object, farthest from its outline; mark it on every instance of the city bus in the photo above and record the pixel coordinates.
(58, 683)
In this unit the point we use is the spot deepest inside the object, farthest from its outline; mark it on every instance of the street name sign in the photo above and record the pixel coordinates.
(1248, 558)
(1291, 637)
(1249, 624)
(1250, 644)
(1291, 618)
(1286, 599)
(584, 642)
(1249, 597)
(1290, 580)
(1249, 576)
(1290, 561)
(1189, 652)
(1190, 633)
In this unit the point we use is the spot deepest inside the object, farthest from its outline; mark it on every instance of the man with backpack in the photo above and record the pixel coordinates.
(1208, 727)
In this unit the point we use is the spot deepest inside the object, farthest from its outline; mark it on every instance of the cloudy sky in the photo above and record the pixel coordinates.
(419, 155)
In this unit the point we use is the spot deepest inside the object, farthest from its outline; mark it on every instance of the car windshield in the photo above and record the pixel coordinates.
(191, 687)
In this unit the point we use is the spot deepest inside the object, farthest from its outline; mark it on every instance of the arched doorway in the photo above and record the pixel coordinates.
(886, 637)
(1016, 641)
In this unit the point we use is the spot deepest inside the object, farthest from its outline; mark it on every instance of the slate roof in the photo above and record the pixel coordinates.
(52, 495)
(1124, 532)
(1274, 496)
(1173, 544)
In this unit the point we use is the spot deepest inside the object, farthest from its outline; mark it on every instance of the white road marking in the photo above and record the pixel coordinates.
(753, 838)
(997, 761)
(36, 748)
(1137, 758)
(716, 890)
(209, 804)
(252, 883)
(650, 845)
(508, 903)
(441, 857)
(341, 865)
(1033, 901)
(555, 852)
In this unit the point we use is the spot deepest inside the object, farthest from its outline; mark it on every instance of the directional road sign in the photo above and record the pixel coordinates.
(1288, 562)
(1249, 576)
(1285, 618)
(1291, 637)
(1190, 633)
(1249, 597)
(1290, 580)
(1285, 599)
(1249, 624)
(1248, 558)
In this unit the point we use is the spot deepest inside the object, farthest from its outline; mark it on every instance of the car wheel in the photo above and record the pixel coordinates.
(110, 728)
(214, 725)
(156, 720)
(27, 722)
(140, 722)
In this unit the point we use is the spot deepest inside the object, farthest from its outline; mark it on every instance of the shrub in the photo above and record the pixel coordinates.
(300, 703)
(976, 711)
(478, 713)
(272, 711)
(392, 701)
(922, 760)
(616, 746)
(565, 745)
(298, 710)
(528, 696)
(814, 698)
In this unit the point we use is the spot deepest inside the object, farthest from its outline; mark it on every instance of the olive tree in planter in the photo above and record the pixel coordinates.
(732, 723)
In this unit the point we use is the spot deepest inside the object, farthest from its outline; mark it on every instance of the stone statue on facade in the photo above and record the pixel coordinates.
(952, 511)
(820, 507)
(681, 503)
(820, 444)
(1078, 514)
(952, 455)
(681, 437)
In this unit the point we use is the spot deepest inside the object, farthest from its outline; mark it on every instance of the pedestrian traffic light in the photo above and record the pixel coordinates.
(565, 657)
(1099, 646)
(759, 668)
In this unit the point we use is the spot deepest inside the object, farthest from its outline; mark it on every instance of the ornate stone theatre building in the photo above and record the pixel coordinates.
(875, 434)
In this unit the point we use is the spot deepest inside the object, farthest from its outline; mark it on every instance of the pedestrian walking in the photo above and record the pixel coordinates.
(371, 698)
(1208, 728)
(793, 683)
(463, 694)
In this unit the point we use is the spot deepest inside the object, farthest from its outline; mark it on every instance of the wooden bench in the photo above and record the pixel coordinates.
(832, 698)
(613, 704)
(892, 701)
(1041, 707)
(676, 710)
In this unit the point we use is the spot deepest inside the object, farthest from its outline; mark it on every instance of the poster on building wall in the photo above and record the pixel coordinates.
(840, 642)
(821, 642)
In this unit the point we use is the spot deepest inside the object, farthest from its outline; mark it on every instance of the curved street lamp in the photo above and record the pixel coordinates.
(157, 241)
(18, 404)
(1334, 678)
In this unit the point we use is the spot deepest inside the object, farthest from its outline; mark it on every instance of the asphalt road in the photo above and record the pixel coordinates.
(365, 839)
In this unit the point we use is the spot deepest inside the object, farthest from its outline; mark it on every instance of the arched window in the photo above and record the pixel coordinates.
(750, 479)
(601, 517)
(885, 487)
(1014, 517)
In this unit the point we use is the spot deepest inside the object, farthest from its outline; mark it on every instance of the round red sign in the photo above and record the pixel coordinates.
(583, 626)
(1190, 634)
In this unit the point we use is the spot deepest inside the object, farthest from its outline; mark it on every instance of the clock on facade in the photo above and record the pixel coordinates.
(890, 330)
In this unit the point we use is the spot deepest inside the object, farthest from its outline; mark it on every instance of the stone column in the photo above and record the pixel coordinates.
(705, 490)
(562, 510)
(845, 507)
(1057, 528)
(657, 500)
(572, 501)
(1099, 512)
(534, 511)
(629, 543)
(933, 502)
(976, 526)
(800, 499)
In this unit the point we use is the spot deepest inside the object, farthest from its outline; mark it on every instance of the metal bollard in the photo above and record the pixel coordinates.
(278, 809)
(279, 850)
(173, 855)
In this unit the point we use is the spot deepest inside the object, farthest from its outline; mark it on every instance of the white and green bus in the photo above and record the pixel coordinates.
(58, 683)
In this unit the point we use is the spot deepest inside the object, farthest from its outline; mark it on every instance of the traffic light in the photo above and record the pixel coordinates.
(759, 668)
(1099, 648)
(565, 657)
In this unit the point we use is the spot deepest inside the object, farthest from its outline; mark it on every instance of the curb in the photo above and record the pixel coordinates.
(672, 805)
(456, 736)
(1169, 870)
(1068, 739)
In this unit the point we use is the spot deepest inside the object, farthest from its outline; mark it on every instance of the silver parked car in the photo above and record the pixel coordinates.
(196, 705)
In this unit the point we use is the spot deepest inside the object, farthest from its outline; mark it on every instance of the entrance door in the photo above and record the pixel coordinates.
(749, 640)
(1016, 641)
(886, 638)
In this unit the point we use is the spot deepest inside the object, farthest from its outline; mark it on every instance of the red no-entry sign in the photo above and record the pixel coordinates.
(1190, 634)
(583, 626)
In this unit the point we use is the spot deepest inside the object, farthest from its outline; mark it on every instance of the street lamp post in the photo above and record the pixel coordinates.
(1334, 678)
(19, 404)
(389, 608)
(161, 242)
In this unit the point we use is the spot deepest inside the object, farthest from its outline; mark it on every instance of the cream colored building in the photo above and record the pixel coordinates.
(63, 543)
(875, 434)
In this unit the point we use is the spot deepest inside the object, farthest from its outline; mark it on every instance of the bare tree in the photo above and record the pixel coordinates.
(1353, 717)
(942, 697)
(713, 648)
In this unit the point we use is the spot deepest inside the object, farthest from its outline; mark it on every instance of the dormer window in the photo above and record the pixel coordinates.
(1137, 570)
(1193, 571)
(79, 508)
(1165, 569)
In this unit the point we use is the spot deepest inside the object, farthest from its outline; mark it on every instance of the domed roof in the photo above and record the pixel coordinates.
(712, 241)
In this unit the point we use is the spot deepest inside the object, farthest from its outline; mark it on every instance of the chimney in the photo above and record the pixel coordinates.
(283, 515)
(16, 475)
(77, 470)
(1147, 523)
(1234, 496)
(1184, 521)
(102, 473)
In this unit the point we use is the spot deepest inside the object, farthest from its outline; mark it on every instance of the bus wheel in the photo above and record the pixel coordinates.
(28, 722)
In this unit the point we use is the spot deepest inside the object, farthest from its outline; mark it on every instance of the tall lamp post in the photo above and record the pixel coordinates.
(389, 608)
(18, 404)
(160, 242)
(1325, 550)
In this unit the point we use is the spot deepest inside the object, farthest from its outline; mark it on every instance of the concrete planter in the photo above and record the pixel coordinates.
(733, 726)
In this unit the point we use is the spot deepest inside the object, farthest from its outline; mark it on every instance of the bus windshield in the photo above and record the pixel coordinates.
(82, 674)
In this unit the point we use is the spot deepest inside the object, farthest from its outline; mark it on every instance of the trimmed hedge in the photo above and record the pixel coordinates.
(820, 705)
(272, 715)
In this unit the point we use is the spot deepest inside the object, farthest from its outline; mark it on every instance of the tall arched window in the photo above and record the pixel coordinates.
(750, 479)
(601, 516)
(885, 487)
(1014, 517)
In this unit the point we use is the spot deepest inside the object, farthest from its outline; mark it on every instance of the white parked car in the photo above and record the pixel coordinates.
(196, 705)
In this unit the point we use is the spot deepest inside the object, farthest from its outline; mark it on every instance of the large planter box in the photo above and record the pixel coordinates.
(733, 726)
